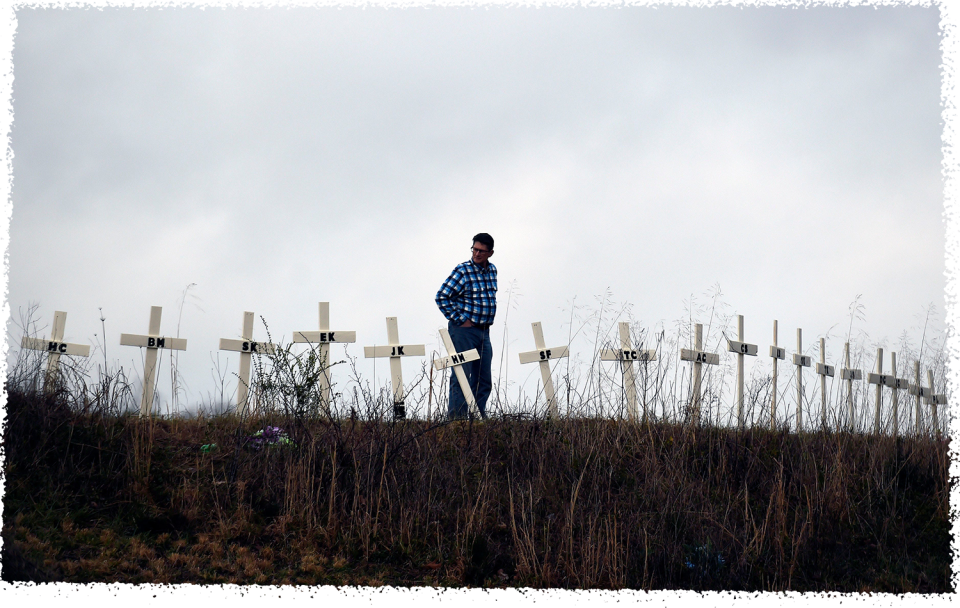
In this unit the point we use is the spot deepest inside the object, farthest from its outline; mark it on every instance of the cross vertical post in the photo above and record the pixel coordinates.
(741, 348)
(153, 342)
(935, 400)
(544, 355)
(246, 347)
(456, 360)
(823, 370)
(395, 351)
(800, 361)
(898, 385)
(849, 375)
(776, 353)
(879, 379)
(918, 391)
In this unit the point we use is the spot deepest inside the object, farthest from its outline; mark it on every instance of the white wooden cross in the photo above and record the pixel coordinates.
(848, 374)
(777, 354)
(823, 370)
(627, 355)
(55, 346)
(456, 360)
(395, 350)
(699, 358)
(246, 347)
(881, 380)
(543, 355)
(324, 337)
(741, 348)
(153, 342)
(801, 361)
(920, 392)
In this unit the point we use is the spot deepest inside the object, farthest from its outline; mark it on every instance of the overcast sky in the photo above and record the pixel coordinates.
(275, 158)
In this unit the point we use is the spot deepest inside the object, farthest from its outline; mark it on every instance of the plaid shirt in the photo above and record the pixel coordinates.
(470, 292)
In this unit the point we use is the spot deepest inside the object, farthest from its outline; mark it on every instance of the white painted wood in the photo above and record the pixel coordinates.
(610, 354)
(153, 342)
(879, 379)
(776, 353)
(394, 350)
(405, 350)
(823, 370)
(55, 347)
(917, 391)
(849, 375)
(456, 360)
(544, 355)
(895, 403)
(934, 401)
(247, 347)
(627, 355)
(800, 361)
(741, 348)
(699, 359)
(323, 338)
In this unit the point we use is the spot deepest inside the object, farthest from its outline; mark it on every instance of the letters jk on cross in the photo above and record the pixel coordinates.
(395, 350)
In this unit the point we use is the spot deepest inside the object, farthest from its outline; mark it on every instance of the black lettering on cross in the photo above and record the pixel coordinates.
(161, 342)
(399, 350)
(51, 347)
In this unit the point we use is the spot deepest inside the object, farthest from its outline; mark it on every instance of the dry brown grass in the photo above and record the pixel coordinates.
(575, 504)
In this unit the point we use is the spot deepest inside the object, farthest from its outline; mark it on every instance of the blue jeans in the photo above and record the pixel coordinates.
(478, 372)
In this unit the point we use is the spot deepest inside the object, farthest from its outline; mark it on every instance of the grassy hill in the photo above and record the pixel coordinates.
(581, 503)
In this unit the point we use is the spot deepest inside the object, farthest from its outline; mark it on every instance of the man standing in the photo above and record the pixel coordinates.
(468, 299)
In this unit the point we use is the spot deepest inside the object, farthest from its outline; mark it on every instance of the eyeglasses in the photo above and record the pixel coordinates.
(475, 250)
